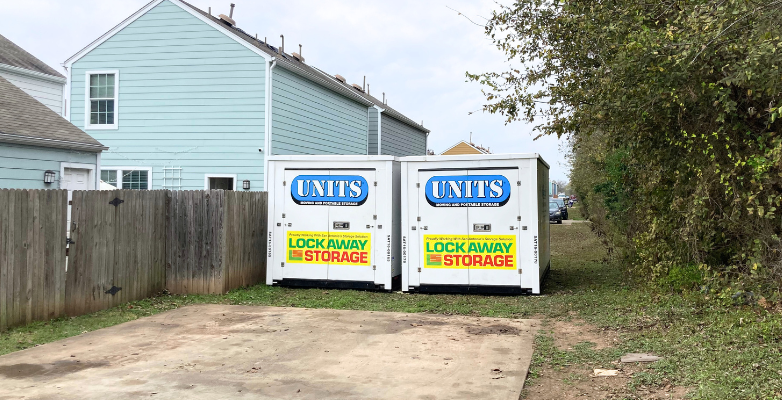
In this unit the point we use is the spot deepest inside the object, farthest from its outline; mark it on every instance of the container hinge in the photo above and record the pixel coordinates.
(283, 215)
(374, 267)
(519, 272)
(284, 183)
(518, 183)
(282, 264)
(374, 217)
(419, 269)
(518, 218)
(523, 228)
(418, 219)
(418, 185)
(375, 183)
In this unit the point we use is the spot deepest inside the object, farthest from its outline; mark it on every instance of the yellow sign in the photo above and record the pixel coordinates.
(335, 248)
(476, 252)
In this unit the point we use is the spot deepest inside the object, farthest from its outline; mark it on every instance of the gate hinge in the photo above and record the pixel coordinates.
(69, 241)
(117, 201)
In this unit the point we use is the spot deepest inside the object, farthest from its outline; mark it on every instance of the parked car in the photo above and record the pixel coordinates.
(554, 214)
(562, 206)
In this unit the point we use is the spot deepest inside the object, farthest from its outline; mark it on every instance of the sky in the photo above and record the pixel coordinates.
(417, 52)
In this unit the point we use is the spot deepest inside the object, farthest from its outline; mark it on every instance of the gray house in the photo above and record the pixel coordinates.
(41, 150)
(32, 75)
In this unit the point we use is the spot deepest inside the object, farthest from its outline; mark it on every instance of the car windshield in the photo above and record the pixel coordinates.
(553, 206)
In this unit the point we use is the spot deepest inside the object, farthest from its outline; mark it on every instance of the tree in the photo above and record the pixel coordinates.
(672, 111)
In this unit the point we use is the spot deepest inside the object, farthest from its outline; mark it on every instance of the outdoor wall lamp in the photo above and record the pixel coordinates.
(48, 176)
(246, 184)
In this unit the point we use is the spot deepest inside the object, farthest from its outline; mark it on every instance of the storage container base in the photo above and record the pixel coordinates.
(467, 289)
(327, 284)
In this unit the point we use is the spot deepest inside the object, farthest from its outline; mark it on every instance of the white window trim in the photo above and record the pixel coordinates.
(90, 167)
(120, 172)
(207, 176)
(87, 125)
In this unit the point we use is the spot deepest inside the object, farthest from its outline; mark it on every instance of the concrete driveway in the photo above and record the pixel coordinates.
(238, 352)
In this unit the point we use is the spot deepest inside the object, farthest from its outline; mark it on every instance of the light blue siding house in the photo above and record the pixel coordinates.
(186, 100)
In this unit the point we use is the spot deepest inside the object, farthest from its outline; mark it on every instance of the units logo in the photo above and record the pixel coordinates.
(329, 190)
(468, 191)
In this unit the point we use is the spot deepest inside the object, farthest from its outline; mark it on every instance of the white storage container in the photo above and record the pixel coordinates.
(475, 223)
(334, 221)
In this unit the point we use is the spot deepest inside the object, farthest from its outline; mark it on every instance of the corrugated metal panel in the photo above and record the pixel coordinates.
(400, 139)
(310, 119)
(22, 167)
(189, 96)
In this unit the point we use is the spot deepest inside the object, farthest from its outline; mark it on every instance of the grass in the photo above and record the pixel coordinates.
(574, 213)
(720, 352)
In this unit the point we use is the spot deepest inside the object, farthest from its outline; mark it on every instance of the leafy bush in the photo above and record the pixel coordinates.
(672, 112)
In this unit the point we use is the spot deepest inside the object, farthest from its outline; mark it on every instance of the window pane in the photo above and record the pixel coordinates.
(135, 180)
(102, 106)
(94, 107)
(102, 91)
(94, 118)
(101, 118)
(93, 80)
(110, 118)
(109, 177)
(110, 86)
(93, 92)
(110, 106)
(102, 80)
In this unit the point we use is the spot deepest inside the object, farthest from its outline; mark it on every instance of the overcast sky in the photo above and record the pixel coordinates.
(415, 51)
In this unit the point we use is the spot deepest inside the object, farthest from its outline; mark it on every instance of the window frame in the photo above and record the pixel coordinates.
(120, 173)
(207, 176)
(87, 104)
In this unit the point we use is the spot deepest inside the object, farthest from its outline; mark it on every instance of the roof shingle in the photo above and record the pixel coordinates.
(15, 56)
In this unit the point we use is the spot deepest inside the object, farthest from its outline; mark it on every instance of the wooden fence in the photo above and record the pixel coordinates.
(125, 245)
(32, 255)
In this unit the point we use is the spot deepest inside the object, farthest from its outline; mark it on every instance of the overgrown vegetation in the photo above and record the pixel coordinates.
(672, 109)
(720, 353)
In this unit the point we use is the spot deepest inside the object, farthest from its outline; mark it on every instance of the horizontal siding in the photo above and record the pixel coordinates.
(22, 167)
(373, 130)
(48, 93)
(399, 139)
(461, 148)
(190, 97)
(309, 119)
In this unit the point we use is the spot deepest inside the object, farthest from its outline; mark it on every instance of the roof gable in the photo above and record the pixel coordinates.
(463, 147)
(25, 119)
(15, 56)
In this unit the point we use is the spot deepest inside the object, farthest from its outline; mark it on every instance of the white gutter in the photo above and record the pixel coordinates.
(32, 74)
(62, 144)
(267, 150)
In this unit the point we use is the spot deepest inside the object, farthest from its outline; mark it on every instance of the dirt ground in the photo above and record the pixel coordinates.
(579, 382)
(219, 351)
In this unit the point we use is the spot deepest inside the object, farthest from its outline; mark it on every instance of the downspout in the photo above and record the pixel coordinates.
(379, 131)
(267, 150)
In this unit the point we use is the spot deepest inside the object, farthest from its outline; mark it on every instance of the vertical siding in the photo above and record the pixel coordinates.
(189, 97)
(399, 139)
(374, 120)
(22, 167)
(310, 119)
(47, 92)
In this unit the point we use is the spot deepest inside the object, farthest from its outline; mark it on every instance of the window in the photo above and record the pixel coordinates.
(102, 99)
(220, 181)
(109, 177)
(128, 177)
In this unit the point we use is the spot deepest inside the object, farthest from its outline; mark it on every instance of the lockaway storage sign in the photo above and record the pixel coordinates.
(475, 252)
(335, 248)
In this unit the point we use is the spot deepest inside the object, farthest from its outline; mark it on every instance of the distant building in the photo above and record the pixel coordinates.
(187, 100)
(465, 148)
(32, 75)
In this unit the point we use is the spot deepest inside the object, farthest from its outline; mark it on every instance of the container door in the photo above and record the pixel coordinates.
(442, 228)
(306, 225)
(494, 228)
(352, 218)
